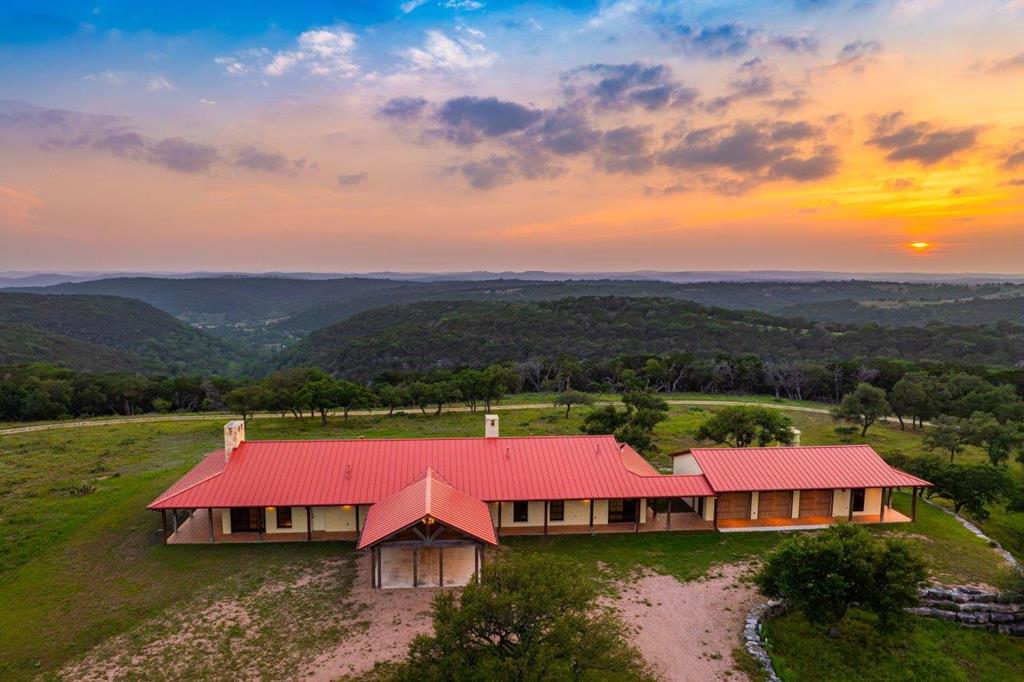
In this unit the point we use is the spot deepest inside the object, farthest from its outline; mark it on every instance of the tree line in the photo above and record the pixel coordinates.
(914, 392)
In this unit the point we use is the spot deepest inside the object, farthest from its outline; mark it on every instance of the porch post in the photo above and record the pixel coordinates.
(380, 566)
(715, 526)
(476, 561)
(849, 506)
(357, 518)
(373, 566)
(668, 517)
(163, 523)
(499, 518)
(592, 516)
(415, 577)
(440, 565)
(209, 513)
(309, 525)
(545, 517)
(913, 504)
(174, 521)
(881, 513)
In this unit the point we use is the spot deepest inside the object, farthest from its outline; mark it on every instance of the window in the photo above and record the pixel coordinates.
(520, 512)
(857, 499)
(556, 510)
(284, 517)
(622, 511)
(245, 519)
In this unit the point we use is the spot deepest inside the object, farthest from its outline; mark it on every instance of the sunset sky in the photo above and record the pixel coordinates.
(440, 135)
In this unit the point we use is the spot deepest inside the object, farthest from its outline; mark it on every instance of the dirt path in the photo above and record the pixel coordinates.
(393, 619)
(215, 416)
(687, 631)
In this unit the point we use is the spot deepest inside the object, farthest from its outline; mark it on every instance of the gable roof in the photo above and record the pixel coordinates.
(799, 468)
(211, 465)
(338, 472)
(428, 497)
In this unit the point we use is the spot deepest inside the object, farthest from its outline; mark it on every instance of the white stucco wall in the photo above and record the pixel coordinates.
(685, 465)
(872, 503)
(298, 521)
(577, 513)
(709, 509)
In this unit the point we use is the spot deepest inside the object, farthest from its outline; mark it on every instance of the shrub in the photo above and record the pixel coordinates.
(530, 617)
(823, 575)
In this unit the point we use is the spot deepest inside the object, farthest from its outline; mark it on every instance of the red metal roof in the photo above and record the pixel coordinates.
(428, 497)
(799, 468)
(210, 466)
(335, 472)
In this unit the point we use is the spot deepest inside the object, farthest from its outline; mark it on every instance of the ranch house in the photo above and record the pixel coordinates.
(426, 509)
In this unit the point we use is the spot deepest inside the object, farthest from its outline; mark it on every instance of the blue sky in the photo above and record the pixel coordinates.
(451, 134)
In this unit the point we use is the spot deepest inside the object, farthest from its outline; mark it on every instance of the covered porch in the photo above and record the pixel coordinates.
(889, 515)
(204, 526)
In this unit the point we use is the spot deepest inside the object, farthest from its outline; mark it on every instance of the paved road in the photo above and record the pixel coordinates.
(213, 416)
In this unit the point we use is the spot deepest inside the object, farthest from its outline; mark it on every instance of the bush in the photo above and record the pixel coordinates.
(823, 575)
(530, 617)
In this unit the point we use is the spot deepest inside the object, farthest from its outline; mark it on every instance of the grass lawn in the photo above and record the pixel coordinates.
(684, 555)
(926, 650)
(81, 561)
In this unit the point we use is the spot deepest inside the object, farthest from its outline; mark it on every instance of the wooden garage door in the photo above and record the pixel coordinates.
(815, 503)
(776, 504)
(734, 506)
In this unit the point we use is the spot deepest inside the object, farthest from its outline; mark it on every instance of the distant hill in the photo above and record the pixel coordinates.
(224, 300)
(968, 311)
(430, 335)
(275, 310)
(104, 332)
(22, 345)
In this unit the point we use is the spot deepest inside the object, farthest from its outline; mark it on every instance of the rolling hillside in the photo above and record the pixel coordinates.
(103, 333)
(430, 335)
(276, 311)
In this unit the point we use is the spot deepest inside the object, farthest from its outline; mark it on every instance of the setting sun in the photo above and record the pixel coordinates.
(920, 246)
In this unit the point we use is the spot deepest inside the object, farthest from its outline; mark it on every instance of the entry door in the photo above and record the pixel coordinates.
(246, 519)
(623, 511)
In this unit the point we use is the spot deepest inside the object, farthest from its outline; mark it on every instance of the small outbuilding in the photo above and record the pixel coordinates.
(428, 534)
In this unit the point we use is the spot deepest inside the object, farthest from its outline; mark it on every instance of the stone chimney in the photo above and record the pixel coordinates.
(794, 436)
(234, 435)
(491, 426)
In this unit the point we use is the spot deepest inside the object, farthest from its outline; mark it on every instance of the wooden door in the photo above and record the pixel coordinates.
(734, 506)
(775, 504)
(815, 503)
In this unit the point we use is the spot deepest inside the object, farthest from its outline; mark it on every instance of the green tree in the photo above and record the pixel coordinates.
(496, 381)
(633, 425)
(570, 398)
(823, 575)
(740, 426)
(246, 400)
(947, 433)
(998, 439)
(531, 617)
(320, 396)
(915, 395)
(421, 394)
(604, 420)
(392, 397)
(972, 487)
(352, 396)
(864, 406)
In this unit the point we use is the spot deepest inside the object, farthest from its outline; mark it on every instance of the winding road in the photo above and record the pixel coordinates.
(214, 416)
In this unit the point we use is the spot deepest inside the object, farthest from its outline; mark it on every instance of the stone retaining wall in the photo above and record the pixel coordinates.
(752, 640)
(973, 608)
